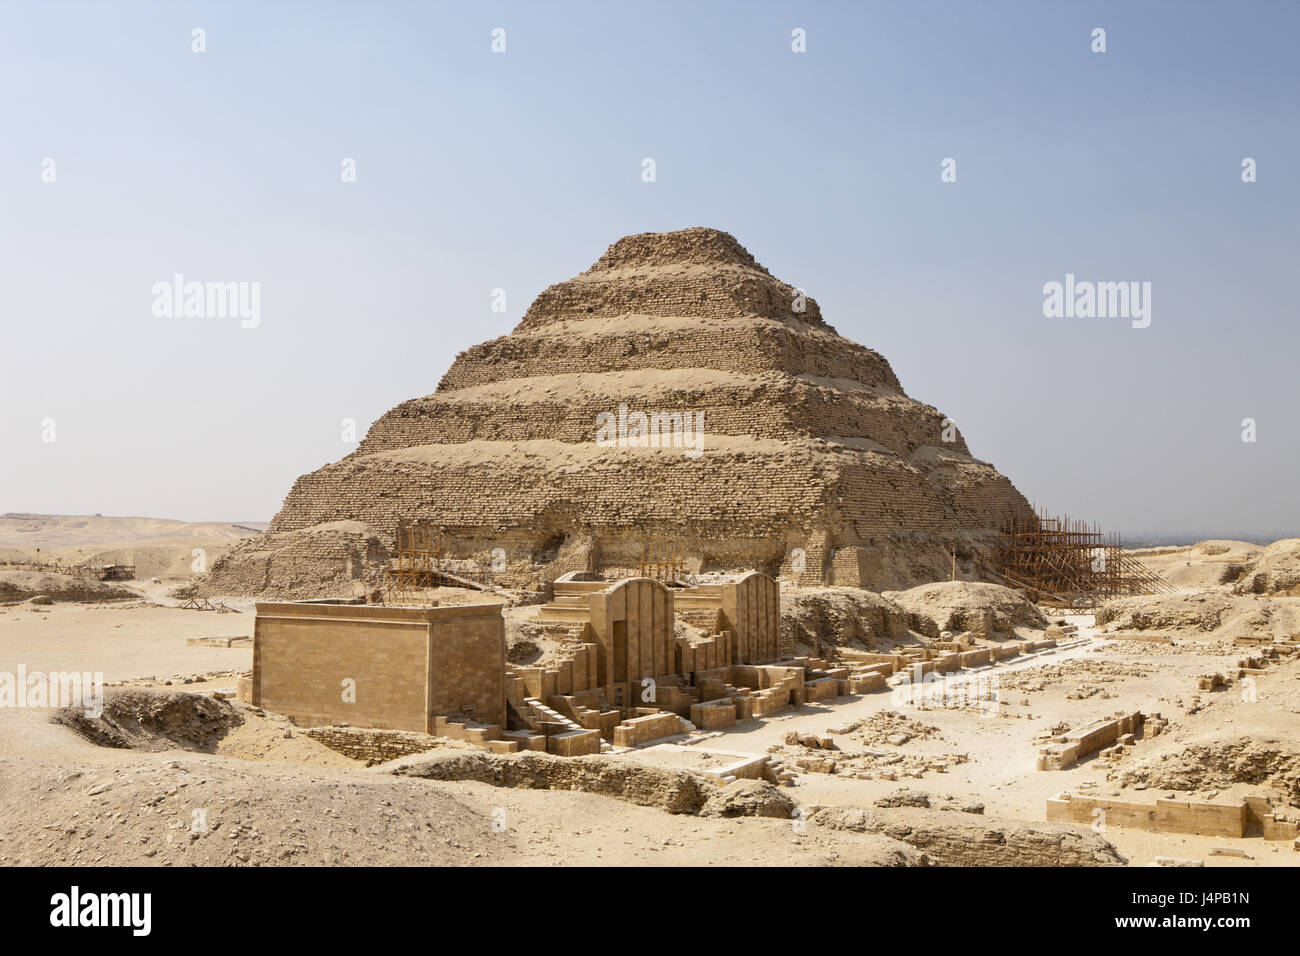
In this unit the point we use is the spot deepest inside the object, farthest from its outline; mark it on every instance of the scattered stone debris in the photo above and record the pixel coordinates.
(1094, 672)
(868, 765)
(919, 798)
(887, 727)
(1218, 766)
(172, 680)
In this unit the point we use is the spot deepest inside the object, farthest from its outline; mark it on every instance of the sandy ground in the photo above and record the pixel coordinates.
(269, 795)
(1000, 770)
(1202, 565)
(122, 640)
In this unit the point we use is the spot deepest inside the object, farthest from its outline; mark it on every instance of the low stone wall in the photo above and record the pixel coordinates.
(1138, 636)
(821, 689)
(714, 714)
(1088, 740)
(219, 642)
(381, 745)
(576, 743)
(672, 790)
(1226, 819)
(639, 730)
(1167, 816)
(867, 683)
(953, 842)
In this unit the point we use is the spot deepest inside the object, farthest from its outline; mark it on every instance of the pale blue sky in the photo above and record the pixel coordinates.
(478, 170)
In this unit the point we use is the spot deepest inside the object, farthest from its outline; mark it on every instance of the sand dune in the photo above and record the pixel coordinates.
(158, 547)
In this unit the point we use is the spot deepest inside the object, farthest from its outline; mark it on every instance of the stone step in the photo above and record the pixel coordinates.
(575, 743)
(546, 715)
(526, 739)
(468, 730)
(549, 613)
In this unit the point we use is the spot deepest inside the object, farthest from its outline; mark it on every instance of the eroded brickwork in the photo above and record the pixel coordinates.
(808, 444)
(373, 745)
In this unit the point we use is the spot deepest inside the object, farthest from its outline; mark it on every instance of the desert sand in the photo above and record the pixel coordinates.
(267, 794)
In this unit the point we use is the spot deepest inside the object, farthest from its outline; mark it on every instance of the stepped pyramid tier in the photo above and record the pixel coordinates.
(799, 452)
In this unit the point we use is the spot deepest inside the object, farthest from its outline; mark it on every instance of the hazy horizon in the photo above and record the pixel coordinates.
(1131, 539)
(478, 170)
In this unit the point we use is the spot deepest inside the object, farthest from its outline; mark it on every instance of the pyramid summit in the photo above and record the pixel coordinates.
(547, 446)
(693, 273)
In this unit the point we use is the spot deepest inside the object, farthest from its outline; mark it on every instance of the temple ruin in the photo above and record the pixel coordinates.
(383, 680)
(625, 677)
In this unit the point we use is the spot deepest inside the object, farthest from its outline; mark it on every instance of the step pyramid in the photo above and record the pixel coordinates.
(800, 452)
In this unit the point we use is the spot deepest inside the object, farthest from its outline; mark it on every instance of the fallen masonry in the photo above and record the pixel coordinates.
(1107, 736)
(1210, 681)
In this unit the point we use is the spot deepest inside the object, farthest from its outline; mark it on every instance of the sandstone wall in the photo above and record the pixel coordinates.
(402, 666)
(751, 613)
(633, 625)
(1167, 816)
(301, 661)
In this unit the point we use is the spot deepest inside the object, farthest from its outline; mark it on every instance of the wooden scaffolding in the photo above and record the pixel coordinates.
(665, 563)
(420, 564)
(1068, 563)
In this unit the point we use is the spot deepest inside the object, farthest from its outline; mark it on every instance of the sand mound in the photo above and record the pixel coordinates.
(53, 532)
(157, 547)
(19, 584)
(1209, 612)
(986, 610)
(154, 720)
(334, 559)
(209, 812)
(1276, 572)
(1205, 564)
(847, 617)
